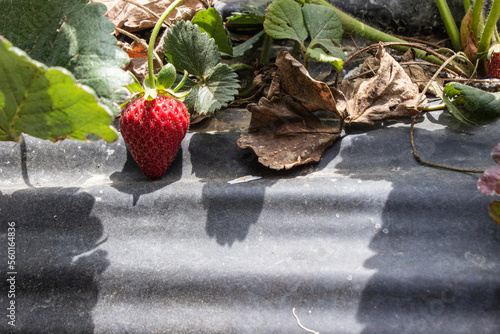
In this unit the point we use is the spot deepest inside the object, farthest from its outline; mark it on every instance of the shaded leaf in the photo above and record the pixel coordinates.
(240, 49)
(46, 102)
(472, 104)
(245, 19)
(72, 34)
(284, 20)
(323, 25)
(189, 49)
(388, 93)
(210, 21)
(495, 211)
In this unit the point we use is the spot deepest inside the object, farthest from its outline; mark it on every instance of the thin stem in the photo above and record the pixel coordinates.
(152, 40)
(449, 23)
(477, 17)
(266, 49)
(466, 5)
(140, 41)
(418, 49)
(489, 28)
(425, 162)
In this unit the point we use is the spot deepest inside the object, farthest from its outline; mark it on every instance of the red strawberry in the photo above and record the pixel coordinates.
(153, 131)
(493, 61)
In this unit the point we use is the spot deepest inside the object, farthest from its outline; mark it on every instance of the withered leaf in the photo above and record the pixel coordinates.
(469, 43)
(284, 134)
(128, 16)
(418, 74)
(295, 81)
(388, 94)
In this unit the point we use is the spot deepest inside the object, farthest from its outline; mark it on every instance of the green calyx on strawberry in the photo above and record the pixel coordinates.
(154, 122)
(493, 61)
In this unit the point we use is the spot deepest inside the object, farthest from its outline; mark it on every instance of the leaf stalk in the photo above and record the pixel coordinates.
(489, 28)
(152, 40)
(449, 23)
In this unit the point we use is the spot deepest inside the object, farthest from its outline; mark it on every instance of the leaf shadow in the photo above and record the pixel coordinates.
(233, 208)
(58, 262)
(436, 249)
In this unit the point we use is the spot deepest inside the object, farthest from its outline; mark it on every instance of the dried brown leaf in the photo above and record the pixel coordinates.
(418, 74)
(295, 81)
(388, 94)
(284, 134)
(130, 17)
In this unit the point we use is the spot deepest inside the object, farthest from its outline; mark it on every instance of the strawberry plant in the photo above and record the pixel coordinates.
(61, 72)
(287, 19)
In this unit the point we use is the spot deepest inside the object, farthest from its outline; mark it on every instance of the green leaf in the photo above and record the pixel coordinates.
(166, 77)
(239, 50)
(220, 88)
(72, 34)
(323, 25)
(135, 86)
(46, 102)
(472, 105)
(189, 49)
(245, 19)
(250, 14)
(495, 211)
(285, 21)
(320, 55)
(210, 21)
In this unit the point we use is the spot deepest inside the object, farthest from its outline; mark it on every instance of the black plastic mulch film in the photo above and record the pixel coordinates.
(366, 241)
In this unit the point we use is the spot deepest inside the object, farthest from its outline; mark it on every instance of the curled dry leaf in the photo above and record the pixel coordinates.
(314, 95)
(418, 74)
(388, 93)
(128, 16)
(283, 130)
(284, 134)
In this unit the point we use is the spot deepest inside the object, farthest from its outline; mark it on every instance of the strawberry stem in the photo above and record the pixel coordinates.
(449, 23)
(489, 28)
(477, 18)
(152, 40)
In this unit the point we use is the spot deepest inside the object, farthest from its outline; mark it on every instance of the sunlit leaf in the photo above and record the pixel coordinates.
(46, 102)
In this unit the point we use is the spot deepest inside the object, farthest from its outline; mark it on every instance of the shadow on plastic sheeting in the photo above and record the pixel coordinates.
(437, 264)
(232, 208)
(131, 180)
(57, 264)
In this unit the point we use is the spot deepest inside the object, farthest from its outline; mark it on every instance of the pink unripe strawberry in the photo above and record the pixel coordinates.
(153, 131)
(493, 61)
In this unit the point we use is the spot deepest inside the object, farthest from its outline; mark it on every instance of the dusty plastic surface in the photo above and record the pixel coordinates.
(366, 241)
